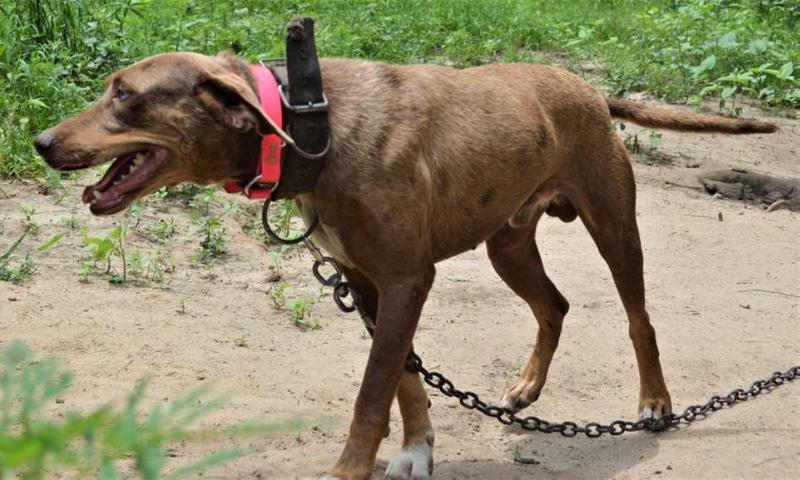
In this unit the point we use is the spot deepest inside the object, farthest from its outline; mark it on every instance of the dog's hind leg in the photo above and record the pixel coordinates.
(606, 205)
(416, 458)
(516, 259)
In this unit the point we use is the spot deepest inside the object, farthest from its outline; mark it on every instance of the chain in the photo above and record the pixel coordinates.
(341, 290)
(471, 400)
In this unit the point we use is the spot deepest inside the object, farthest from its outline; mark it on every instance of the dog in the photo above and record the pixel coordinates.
(426, 162)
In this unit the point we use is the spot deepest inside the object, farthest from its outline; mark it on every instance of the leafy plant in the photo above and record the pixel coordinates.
(158, 264)
(72, 222)
(284, 219)
(24, 269)
(301, 315)
(102, 249)
(28, 223)
(274, 266)
(54, 53)
(95, 444)
(278, 295)
(163, 230)
(215, 241)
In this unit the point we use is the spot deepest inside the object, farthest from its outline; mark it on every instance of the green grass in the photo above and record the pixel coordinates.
(55, 53)
(108, 441)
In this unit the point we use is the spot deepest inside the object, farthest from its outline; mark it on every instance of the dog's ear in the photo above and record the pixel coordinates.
(231, 101)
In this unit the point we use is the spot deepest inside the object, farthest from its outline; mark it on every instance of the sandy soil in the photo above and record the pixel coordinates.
(723, 296)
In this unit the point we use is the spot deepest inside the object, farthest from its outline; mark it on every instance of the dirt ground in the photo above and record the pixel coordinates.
(722, 294)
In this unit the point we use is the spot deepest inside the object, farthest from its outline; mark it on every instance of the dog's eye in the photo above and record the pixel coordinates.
(121, 94)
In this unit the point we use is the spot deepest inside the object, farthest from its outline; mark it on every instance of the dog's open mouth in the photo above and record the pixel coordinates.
(124, 180)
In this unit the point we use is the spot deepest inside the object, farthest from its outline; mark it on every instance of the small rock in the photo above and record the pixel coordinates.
(201, 377)
(12, 299)
(59, 400)
(719, 216)
(746, 307)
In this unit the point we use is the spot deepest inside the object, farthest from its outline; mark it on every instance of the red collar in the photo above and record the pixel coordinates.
(269, 163)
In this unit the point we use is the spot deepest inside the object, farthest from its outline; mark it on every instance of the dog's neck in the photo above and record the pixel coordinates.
(247, 149)
(246, 155)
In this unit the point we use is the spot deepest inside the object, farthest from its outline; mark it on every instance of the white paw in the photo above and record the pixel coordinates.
(515, 400)
(414, 462)
(508, 402)
(650, 412)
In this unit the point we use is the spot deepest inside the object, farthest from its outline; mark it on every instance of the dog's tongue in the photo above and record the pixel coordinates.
(127, 174)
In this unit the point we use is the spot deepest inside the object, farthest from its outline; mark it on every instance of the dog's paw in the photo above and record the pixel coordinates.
(521, 394)
(654, 408)
(414, 462)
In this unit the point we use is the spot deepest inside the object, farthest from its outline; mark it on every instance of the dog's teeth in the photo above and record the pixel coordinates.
(97, 195)
(138, 159)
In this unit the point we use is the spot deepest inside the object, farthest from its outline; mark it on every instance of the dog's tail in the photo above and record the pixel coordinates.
(672, 119)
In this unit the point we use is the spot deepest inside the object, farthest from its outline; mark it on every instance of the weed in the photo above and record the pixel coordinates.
(301, 316)
(278, 295)
(249, 218)
(215, 241)
(241, 341)
(72, 222)
(274, 266)
(94, 444)
(163, 230)
(28, 223)
(632, 143)
(17, 273)
(136, 263)
(284, 219)
(185, 193)
(181, 306)
(103, 249)
(135, 212)
(159, 264)
(53, 52)
(23, 269)
(52, 184)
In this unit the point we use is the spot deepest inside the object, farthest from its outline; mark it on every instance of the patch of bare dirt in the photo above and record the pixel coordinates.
(723, 289)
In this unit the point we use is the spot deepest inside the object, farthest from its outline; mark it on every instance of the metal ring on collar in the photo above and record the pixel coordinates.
(303, 153)
(340, 292)
(334, 280)
(278, 238)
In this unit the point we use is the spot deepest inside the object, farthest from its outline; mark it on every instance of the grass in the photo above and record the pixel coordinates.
(54, 54)
(105, 442)
(18, 270)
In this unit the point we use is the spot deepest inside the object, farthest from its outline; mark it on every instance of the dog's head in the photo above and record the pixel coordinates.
(168, 119)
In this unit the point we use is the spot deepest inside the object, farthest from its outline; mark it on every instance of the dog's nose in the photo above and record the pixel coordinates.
(44, 141)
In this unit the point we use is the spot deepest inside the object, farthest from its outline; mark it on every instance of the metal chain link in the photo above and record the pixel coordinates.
(341, 289)
(471, 400)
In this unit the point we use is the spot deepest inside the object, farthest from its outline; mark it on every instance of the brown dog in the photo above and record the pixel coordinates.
(427, 162)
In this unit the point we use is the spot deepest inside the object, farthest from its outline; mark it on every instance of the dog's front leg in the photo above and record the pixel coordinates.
(400, 303)
(415, 460)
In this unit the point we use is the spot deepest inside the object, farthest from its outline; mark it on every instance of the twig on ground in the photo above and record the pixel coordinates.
(673, 184)
(770, 291)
